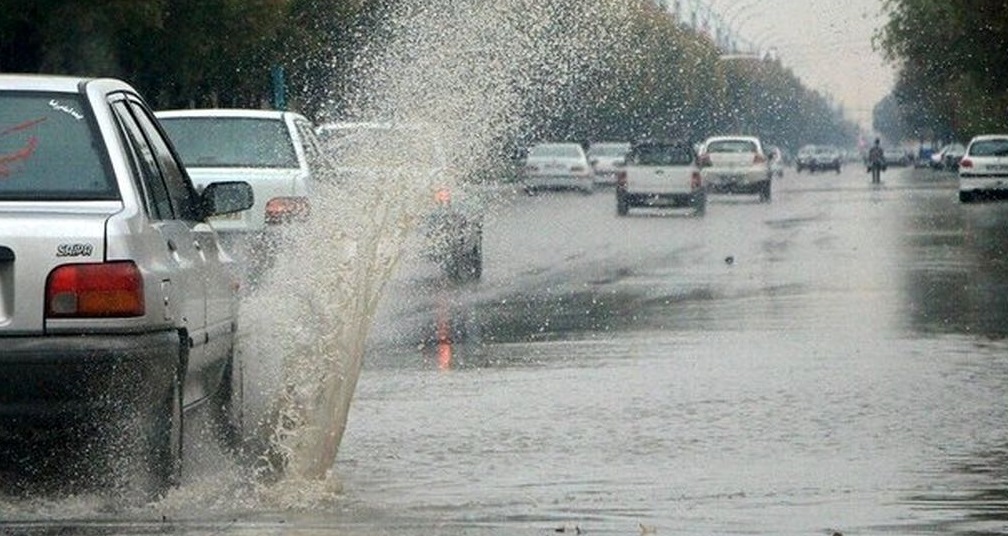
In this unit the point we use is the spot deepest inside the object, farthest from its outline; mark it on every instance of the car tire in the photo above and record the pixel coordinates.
(700, 206)
(765, 192)
(967, 197)
(164, 456)
(228, 406)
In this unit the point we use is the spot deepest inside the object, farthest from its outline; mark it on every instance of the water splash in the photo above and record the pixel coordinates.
(473, 74)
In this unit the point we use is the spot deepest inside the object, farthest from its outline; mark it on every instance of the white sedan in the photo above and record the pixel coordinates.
(558, 166)
(735, 165)
(983, 170)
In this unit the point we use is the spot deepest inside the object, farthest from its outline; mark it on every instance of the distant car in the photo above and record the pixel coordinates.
(453, 222)
(735, 165)
(947, 158)
(660, 174)
(952, 155)
(274, 151)
(557, 166)
(117, 304)
(605, 159)
(814, 158)
(895, 158)
(983, 170)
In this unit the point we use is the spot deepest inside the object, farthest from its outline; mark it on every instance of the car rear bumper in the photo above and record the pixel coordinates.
(736, 183)
(978, 183)
(55, 378)
(559, 182)
(662, 199)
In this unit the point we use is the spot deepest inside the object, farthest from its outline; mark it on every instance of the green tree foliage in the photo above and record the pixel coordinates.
(953, 70)
(658, 79)
(180, 53)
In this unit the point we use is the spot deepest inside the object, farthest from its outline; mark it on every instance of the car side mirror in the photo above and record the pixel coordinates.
(226, 197)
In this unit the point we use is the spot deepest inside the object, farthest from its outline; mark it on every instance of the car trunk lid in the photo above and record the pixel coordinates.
(35, 238)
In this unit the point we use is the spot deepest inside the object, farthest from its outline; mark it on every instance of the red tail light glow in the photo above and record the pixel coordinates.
(286, 209)
(107, 290)
(704, 160)
(965, 163)
(759, 159)
(442, 196)
(621, 179)
(696, 182)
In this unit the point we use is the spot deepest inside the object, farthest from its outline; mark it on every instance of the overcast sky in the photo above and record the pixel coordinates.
(828, 44)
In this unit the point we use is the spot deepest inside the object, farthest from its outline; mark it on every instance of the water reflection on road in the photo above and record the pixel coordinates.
(833, 360)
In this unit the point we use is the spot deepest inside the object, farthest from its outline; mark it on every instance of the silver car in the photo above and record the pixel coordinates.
(116, 304)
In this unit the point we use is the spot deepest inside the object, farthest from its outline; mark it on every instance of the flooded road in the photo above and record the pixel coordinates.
(832, 361)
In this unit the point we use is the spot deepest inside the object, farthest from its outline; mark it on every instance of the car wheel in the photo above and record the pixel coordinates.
(700, 206)
(765, 191)
(476, 261)
(164, 458)
(622, 206)
(967, 197)
(228, 406)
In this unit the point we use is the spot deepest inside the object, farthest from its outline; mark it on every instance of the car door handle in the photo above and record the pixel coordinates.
(196, 244)
(172, 246)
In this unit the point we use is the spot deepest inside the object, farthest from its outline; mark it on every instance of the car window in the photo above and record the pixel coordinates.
(731, 146)
(144, 164)
(661, 155)
(991, 147)
(51, 150)
(381, 146)
(555, 151)
(608, 150)
(180, 190)
(231, 141)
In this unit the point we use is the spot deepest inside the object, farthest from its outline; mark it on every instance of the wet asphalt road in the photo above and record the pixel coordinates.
(831, 361)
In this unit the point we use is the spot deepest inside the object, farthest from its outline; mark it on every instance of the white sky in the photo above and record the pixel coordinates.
(828, 44)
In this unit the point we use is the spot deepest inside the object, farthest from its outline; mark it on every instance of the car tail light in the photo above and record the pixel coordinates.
(621, 179)
(285, 209)
(704, 160)
(966, 163)
(759, 159)
(696, 182)
(442, 196)
(111, 289)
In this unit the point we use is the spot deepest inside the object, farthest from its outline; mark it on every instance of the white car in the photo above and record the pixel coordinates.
(735, 165)
(660, 174)
(557, 166)
(983, 170)
(453, 223)
(274, 151)
(605, 159)
(117, 305)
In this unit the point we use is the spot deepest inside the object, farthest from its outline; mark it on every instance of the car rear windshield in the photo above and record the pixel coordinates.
(251, 142)
(617, 150)
(375, 146)
(50, 150)
(731, 146)
(994, 147)
(555, 151)
(661, 155)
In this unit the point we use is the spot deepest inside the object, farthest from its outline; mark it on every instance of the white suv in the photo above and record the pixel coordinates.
(116, 304)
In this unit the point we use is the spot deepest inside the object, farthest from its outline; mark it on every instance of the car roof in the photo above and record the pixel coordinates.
(984, 137)
(225, 112)
(59, 83)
